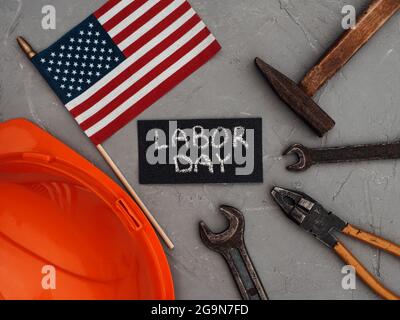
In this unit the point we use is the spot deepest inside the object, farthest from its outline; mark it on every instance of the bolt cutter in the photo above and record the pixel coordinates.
(315, 219)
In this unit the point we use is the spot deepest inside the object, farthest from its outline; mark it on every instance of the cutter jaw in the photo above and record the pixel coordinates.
(309, 215)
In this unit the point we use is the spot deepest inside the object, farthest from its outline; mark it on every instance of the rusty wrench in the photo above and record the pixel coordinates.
(230, 244)
(308, 157)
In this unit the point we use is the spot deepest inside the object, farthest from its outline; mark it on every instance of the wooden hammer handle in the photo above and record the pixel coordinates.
(351, 41)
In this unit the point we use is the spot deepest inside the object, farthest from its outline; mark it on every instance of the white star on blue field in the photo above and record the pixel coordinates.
(79, 59)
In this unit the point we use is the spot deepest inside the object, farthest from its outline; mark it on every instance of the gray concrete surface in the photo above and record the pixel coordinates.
(363, 98)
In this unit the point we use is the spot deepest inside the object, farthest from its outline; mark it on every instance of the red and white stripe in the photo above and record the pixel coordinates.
(164, 41)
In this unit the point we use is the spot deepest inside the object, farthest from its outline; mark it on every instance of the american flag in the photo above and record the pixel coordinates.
(123, 58)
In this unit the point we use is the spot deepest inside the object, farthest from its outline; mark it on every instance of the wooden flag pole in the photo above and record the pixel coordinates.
(135, 196)
(30, 53)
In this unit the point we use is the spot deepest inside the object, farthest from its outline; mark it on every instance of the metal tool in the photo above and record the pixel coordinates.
(315, 219)
(298, 97)
(230, 244)
(308, 157)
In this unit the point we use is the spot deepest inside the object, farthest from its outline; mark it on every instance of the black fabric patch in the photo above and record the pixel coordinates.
(200, 151)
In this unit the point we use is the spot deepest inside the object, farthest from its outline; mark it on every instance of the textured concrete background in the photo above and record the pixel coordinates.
(291, 35)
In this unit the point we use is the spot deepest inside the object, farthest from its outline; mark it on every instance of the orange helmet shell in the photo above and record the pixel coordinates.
(67, 231)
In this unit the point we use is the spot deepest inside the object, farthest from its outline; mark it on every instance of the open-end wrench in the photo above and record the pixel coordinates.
(308, 157)
(230, 244)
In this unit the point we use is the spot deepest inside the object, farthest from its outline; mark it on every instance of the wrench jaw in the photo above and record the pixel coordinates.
(231, 237)
(207, 236)
(304, 157)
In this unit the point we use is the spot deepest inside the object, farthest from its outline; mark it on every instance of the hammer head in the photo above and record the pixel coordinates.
(302, 104)
(232, 237)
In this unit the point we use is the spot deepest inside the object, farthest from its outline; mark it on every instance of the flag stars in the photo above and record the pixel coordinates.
(78, 62)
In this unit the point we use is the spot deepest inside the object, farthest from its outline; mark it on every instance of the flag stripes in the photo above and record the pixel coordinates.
(157, 93)
(138, 71)
(163, 42)
(121, 101)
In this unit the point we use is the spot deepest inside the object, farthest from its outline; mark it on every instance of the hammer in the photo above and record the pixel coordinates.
(299, 96)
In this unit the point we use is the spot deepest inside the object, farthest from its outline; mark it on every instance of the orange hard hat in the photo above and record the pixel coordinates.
(67, 231)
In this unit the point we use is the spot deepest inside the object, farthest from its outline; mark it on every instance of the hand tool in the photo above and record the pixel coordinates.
(308, 157)
(315, 219)
(298, 97)
(230, 244)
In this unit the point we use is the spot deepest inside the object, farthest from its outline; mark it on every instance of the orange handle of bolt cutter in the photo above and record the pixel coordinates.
(352, 40)
(363, 273)
(372, 240)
